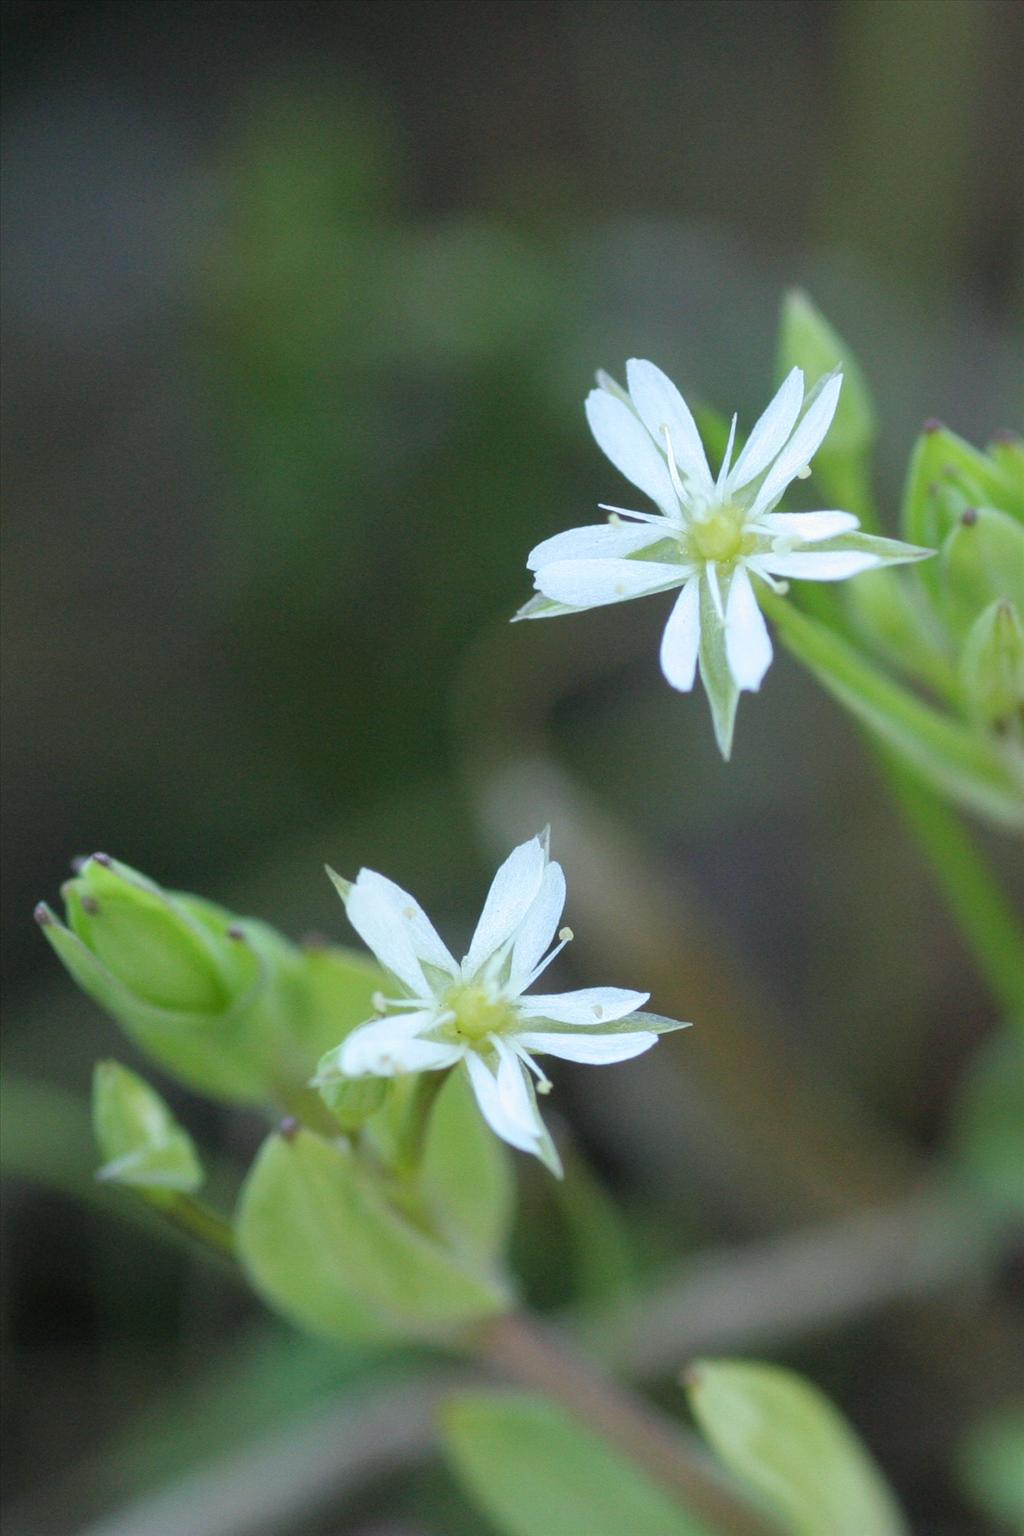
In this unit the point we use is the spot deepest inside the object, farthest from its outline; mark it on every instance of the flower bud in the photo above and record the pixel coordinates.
(140, 1141)
(981, 561)
(992, 667)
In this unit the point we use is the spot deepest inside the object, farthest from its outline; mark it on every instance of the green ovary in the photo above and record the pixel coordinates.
(477, 1013)
(718, 537)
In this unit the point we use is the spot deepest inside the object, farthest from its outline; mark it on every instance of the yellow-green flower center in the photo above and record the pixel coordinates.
(718, 537)
(477, 1013)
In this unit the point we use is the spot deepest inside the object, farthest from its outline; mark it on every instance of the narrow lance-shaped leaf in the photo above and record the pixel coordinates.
(140, 1141)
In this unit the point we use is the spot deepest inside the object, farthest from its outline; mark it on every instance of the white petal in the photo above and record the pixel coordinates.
(748, 648)
(512, 893)
(537, 928)
(801, 448)
(819, 565)
(681, 639)
(397, 929)
(521, 1125)
(770, 431)
(597, 542)
(623, 438)
(595, 1050)
(661, 405)
(589, 1006)
(808, 526)
(391, 1046)
(592, 583)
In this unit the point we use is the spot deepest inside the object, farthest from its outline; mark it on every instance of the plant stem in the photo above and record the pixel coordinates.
(527, 1353)
(982, 912)
(413, 1133)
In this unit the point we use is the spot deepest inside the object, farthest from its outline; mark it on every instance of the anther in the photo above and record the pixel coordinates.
(566, 935)
(289, 1128)
(235, 933)
(42, 914)
(969, 516)
(379, 1003)
(90, 905)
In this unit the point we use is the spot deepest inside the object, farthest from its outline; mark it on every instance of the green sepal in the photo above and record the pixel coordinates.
(789, 1444)
(992, 667)
(719, 685)
(534, 1471)
(324, 1244)
(541, 607)
(842, 465)
(982, 560)
(351, 1100)
(140, 1141)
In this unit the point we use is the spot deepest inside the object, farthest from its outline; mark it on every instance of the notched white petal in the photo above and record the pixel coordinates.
(389, 1047)
(748, 647)
(597, 542)
(681, 639)
(801, 448)
(819, 565)
(622, 436)
(808, 526)
(769, 432)
(590, 1005)
(661, 405)
(524, 1131)
(512, 893)
(592, 1050)
(595, 583)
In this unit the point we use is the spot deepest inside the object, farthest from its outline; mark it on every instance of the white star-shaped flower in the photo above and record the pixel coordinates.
(710, 535)
(475, 1013)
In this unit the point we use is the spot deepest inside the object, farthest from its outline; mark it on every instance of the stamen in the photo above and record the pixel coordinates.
(776, 584)
(672, 469)
(544, 1083)
(727, 459)
(615, 520)
(565, 936)
(641, 517)
(805, 473)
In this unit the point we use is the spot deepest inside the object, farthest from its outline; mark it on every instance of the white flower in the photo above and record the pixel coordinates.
(474, 1013)
(709, 536)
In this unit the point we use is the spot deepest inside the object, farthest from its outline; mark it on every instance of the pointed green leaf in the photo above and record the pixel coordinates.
(722, 693)
(466, 1178)
(534, 1471)
(965, 765)
(323, 1244)
(784, 1438)
(141, 1142)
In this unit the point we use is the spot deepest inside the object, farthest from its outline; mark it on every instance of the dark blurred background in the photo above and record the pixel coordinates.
(301, 303)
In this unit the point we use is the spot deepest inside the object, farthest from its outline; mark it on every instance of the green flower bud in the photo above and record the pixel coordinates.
(226, 1004)
(992, 667)
(982, 560)
(946, 477)
(139, 1139)
(351, 1100)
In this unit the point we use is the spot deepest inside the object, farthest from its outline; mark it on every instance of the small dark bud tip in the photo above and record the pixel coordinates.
(692, 1376)
(42, 915)
(234, 932)
(314, 941)
(103, 858)
(969, 516)
(78, 864)
(90, 905)
(932, 425)
(1004, 435)
(289, 1128)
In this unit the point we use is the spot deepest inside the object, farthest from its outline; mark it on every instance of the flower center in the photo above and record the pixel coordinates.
(718, 537)
(477, 1013)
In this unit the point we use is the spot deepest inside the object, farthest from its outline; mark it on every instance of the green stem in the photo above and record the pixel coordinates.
(984, 916)
(199, 1221)
(413, 1133)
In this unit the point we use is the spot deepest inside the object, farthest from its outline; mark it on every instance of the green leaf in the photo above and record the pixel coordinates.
(842, 463)
(988, 1138)
(324, 1245)
(466, 1178)
(722, 692)
(892, 615)
(141, 1142)
(534, 1471)
(991, 1463)
(964, 764)
(982, 561)
(784, 1438)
